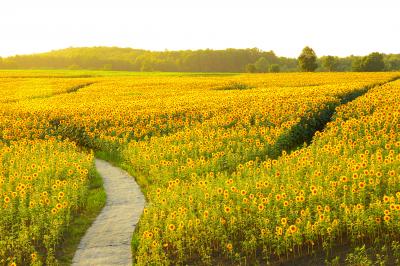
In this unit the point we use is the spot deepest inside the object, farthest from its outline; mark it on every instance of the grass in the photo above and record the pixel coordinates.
(377, 253)
(83, 220)
(114, 159)
(235, 86)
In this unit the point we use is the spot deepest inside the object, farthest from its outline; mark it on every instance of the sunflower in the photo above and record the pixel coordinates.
(278, 230)
(292, 229)
(171, 227)
(386, 199)
(7, 200)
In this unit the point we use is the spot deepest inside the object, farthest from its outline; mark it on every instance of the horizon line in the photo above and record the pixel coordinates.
(180, 50)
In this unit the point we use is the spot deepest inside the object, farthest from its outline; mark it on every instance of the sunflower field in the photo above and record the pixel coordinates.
(236, 169)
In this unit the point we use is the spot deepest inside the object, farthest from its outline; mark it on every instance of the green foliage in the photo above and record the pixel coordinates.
(127, 59)
(74, 67)
(392, 62)
(330, 62)
(334, 262)
(274, 68)
(228, 60)
(357, 64)
(308, 60)
(358, 258)
(374, 62)
(96, 200)
(147, 66)
(269, 62)
(251, 68)
(235, 86)
(107, 67)
(396, 251)
(261, 65)
(371, 63)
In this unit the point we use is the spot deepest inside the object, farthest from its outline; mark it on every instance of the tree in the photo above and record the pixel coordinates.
(74, 67)
(107, 67)
(274, 68)
(330, 62)
(357, 64)
(147, 66)
(373, 62)
(261, 65)
(392, 62)
(308, 60)
(271, 57)
(251, 68)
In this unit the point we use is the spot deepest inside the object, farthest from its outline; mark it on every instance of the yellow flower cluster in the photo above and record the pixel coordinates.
(42, 183)
(209, 153)
(16, 89)
(344, 187)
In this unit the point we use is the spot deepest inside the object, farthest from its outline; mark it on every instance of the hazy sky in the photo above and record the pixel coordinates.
(338, 27)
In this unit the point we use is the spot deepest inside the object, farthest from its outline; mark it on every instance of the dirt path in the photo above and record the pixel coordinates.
(108, 240)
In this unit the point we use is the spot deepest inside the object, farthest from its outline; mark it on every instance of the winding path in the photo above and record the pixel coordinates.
(108, 240)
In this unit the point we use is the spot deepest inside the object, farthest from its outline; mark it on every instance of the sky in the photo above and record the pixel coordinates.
(330, 27)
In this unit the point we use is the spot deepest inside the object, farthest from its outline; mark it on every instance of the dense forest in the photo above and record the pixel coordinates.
(229, 60)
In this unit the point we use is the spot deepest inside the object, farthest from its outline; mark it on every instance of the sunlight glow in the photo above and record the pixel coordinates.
(330, 27)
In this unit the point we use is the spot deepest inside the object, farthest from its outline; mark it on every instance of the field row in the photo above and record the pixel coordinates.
(207, 152)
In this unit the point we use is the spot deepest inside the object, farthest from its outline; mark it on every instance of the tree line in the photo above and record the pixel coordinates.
(374, 62)
(228, 60)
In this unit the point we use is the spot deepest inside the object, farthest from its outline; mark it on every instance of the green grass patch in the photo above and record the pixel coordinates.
(114, 158)
(82, 221)
(234, 86)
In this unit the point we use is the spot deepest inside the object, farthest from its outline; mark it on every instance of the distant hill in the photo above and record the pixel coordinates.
(128, 59)
(115, 58)
(108, 58)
